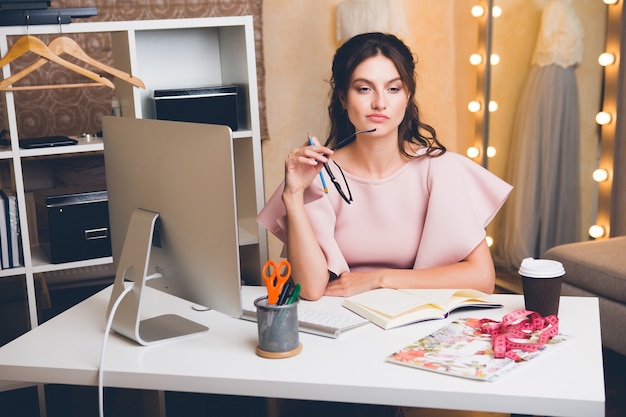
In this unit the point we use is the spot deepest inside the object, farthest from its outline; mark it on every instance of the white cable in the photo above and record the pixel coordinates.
(107, 330)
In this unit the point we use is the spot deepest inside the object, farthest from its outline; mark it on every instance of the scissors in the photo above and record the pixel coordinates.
(275, 277)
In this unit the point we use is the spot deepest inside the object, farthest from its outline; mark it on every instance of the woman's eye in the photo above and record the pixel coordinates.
(363, 89)
(394, 89)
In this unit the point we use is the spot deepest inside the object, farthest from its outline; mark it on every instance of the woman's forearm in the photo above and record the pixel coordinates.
(308, 263)
(476, 271)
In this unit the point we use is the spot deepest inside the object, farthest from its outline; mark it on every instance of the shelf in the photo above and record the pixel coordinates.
(41, 262)
(83, 145)
(11, 272)
(242, 134)
(198, 52)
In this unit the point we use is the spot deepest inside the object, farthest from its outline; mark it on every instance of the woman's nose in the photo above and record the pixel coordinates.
(379, 102)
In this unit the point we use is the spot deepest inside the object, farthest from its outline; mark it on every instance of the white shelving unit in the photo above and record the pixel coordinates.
(176, 53)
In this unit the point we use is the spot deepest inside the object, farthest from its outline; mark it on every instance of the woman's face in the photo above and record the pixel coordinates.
(376, 96)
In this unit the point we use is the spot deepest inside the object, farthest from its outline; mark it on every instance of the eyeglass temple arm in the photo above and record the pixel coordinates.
(343, 141)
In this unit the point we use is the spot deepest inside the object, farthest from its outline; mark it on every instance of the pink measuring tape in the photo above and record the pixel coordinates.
(516, 331)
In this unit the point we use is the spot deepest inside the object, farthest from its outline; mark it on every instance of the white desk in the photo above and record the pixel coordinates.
(352, 368)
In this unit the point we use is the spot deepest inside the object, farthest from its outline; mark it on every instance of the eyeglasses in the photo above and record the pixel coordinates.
(347, 198)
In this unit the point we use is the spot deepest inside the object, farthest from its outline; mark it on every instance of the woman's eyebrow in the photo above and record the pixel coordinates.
(365, 80)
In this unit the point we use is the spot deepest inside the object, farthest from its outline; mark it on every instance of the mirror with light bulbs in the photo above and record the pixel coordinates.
(513, 35)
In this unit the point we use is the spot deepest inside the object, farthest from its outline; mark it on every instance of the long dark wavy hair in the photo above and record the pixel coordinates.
(347, 58)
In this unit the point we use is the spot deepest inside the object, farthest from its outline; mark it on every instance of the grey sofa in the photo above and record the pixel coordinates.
(598, 268)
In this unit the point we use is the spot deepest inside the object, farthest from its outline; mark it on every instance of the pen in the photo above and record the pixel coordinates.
(281, 316)
(321, 173)
(294, 295)
(284, 294)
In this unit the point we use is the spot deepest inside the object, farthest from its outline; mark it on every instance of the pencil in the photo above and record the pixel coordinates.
(321, 173)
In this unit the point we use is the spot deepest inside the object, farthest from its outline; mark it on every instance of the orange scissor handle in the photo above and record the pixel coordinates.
(275, 276)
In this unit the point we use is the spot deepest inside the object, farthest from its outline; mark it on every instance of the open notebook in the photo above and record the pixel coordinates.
(325, 317)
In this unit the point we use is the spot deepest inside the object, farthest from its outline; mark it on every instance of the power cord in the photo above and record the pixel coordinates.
(107, 330)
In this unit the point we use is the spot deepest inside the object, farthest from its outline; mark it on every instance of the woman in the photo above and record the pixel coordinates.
(407, 214)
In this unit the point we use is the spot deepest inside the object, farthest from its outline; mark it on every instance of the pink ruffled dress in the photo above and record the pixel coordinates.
(432, 212)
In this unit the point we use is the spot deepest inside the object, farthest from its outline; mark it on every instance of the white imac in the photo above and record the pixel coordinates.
(173, 221)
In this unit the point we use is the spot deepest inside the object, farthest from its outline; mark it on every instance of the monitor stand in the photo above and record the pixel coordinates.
(133, 265)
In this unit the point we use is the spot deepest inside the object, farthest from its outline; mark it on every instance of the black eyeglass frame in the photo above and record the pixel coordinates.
(333, 179)
(346, 198)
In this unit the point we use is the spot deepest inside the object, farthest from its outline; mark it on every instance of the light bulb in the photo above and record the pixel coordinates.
(473, 152)
(597, 231)
(600, 175)
(493, 106)
(489, 240)
(491, 151)
(494, 59)
(610, 1)
(496, 11)
(473, 106)
(478, 11)
(603, 118)
(476, 59)
(606, 59)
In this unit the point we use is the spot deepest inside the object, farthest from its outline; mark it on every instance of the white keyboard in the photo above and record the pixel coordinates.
(325, 317)
(327, 324)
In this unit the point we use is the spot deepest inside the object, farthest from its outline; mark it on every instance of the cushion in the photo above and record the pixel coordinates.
(612, 317)
(598, 266)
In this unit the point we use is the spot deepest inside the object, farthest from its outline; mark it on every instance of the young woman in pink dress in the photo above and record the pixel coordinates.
(404, 213)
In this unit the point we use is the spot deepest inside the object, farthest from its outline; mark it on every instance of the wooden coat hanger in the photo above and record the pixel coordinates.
(66, 45)
(29, 43)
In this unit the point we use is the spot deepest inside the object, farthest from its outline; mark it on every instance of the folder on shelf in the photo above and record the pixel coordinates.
(4, 236)
(10, 253)
(15, 252)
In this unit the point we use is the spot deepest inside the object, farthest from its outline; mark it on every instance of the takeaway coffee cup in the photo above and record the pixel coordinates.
(278, 329)
(541, 282)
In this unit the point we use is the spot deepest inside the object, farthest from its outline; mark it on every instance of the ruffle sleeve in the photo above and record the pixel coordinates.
(318, 207)
(463, 199)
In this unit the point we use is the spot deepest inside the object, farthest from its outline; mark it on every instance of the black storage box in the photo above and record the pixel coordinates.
(212, 105)
(73, 225)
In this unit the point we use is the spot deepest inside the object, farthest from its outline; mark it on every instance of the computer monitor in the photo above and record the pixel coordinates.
(173, 221)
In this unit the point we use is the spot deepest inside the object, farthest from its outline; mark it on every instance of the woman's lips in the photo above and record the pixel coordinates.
(377, 117)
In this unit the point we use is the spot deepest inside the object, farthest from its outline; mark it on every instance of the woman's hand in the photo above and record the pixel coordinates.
(351, 283)
(302, 165)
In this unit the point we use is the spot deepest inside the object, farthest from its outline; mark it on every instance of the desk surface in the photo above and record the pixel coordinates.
(352, 368)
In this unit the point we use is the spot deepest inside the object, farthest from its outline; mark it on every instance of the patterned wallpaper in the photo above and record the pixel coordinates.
(72, 111)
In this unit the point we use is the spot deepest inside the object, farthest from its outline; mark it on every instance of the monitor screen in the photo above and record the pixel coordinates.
(176, 182)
